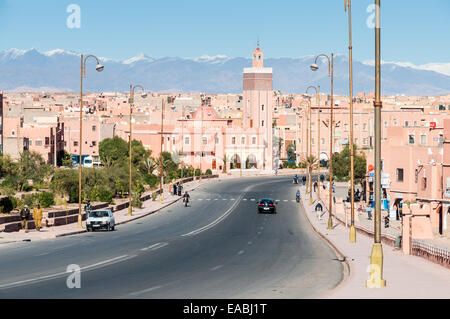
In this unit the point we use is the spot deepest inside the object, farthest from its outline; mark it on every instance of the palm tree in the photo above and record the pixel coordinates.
(150, 164)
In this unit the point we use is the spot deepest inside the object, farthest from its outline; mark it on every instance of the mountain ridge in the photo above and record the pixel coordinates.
(211, 74)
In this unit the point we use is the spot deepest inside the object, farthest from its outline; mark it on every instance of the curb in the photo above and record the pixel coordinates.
(347, 268)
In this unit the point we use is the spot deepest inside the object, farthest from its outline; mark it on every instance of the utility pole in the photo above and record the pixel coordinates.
(376, 260)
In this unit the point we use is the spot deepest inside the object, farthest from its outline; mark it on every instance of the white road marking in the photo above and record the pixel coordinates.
(259, 233)
(145, 291)
(214, 223)
(200, 199)
(155, 246)
(249, 243)
(216, 199)
(224, 199)
(285, 200)
(253, 199)
(208, 199)
(63, 274)
(245, 199)
(241, 252)
(233, 199)
(216, 268)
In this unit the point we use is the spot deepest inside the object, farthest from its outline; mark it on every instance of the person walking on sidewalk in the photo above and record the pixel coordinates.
(25, 216)
(180, 190)
(87, 209)
(38, 215)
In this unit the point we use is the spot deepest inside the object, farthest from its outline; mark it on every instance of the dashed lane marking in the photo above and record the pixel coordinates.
(155, 246)
(216, 268)
(145, 291)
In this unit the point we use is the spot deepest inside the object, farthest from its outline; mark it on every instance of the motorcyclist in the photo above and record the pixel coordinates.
(186, 197)
(298, 196)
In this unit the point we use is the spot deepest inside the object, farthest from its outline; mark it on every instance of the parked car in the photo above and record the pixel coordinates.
(267, 205)
(101, 219)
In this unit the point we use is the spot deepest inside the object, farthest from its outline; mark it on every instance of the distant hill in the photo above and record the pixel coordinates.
(59, 70)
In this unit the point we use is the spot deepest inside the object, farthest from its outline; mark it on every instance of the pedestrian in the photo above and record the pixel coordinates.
(180, 190)
(319, 210)
(87, 208)
(175, 186)
(369, 213)
(304, 180)
(386, 221)
(316, 186)
(25, 216)
(38, 215)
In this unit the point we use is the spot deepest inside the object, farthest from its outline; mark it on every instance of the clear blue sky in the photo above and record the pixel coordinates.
(413, 31)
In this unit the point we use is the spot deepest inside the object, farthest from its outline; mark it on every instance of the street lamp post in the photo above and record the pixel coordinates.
(99, 68)
(318, 140)
(315, 67)
(376, 260)
(161, 168)
(310, 144)
(144, 95)
(348, 6)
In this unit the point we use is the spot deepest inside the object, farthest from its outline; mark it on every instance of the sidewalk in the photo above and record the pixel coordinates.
(406, 276)
(148, 208)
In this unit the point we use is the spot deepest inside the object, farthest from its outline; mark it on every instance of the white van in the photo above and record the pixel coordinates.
(88, 162)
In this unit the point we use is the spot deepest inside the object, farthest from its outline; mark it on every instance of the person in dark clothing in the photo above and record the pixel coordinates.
(180, 190)
(25, 216)
(175, 186)
(87, 209)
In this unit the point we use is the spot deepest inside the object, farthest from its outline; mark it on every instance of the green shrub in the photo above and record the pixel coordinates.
(46, 199)
(198, 172)
(104, 195)
(7, 204)
(208, 172)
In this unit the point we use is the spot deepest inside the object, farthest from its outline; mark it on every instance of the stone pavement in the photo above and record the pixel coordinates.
(406, 276)
(148, 208)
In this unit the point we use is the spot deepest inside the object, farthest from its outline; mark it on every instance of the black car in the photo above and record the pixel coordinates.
(267, 205)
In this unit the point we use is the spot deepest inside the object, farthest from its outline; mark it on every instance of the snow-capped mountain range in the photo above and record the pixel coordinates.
(59, 70)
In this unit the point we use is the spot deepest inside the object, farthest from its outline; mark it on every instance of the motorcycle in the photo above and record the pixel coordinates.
(298, 199)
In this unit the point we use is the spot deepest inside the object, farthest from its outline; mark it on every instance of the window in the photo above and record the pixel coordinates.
(406, 123)
(233, 140)
(365, 127)
(204, 140)
(262, 123)
(186, 140)
(423, 140)
(313, 142)
(94, 143)
(254, 140)
(251, 123)
(411, 139)
(365, 141)
(31, 143)
(399, 174)
(323, 141)
(424, 183)
(243, 140)
(94, 128)
(416, 176)
(47, 140)
(356, 127)
(38, 143)
(395, 123)
(262, 108)
(385, 124)
(216, 140)
(13, 133)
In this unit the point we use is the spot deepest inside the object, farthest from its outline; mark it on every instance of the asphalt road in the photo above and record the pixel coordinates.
(219, 247)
